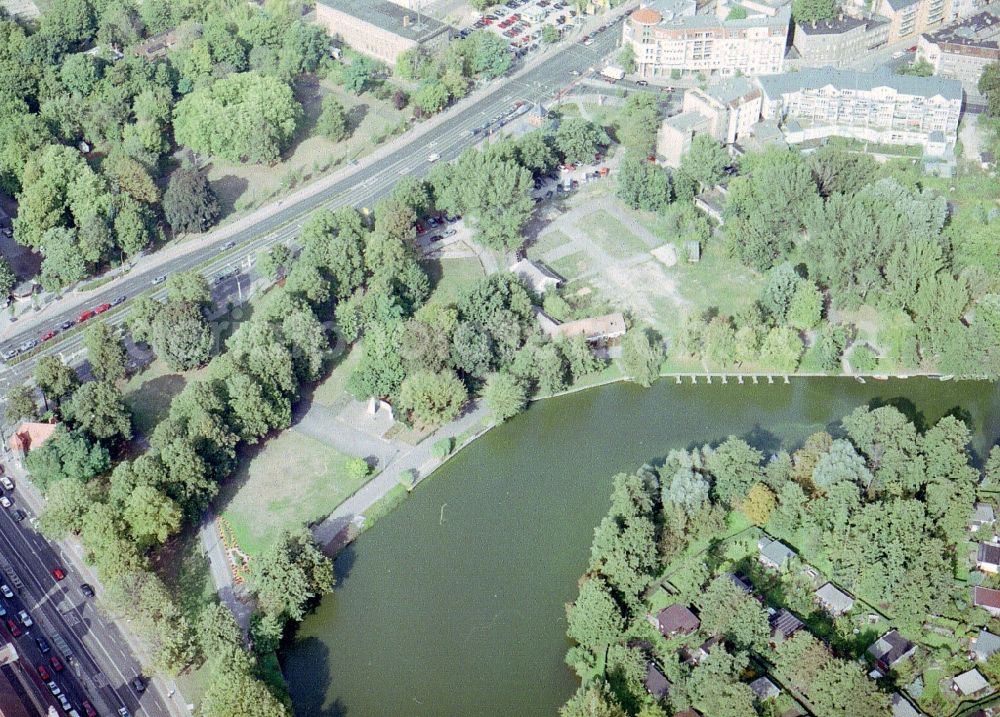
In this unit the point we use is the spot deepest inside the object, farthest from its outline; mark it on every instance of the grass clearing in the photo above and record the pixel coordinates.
(284, 484)
(547, 242)
(573, 265)
(611, 235)
(330, 391)
(451, 277)
(716, 281)
(148, 394)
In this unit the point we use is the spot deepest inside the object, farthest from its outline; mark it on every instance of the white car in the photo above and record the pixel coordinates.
(5, 501)
(25, 618)
(7, 592)
(433, 157)
(65, 703)
(53, 688)
(6, 482)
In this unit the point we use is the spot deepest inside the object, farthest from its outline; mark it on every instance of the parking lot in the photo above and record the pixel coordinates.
(523, 22)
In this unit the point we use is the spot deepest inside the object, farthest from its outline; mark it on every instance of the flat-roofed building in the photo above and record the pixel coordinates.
(732, 107)
(839, 41)
(879, 107)
(378, 28)
(909, 18)
(961, 51)
(708, 44)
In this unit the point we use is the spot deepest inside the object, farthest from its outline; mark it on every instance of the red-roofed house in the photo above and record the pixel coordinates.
(987, 598)
(30, 436)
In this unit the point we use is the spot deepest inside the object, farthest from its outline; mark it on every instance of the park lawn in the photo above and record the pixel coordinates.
(148, 394)
(284, 484)
(244, 187)
(332, 388)
(545, 243)
(573, 265)
(717, 281)
(452, 277)
(607, 232)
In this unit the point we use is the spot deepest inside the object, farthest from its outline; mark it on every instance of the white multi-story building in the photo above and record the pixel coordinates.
(879, 107)
(707, 44)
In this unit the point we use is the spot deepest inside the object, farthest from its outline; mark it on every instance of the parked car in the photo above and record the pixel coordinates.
(119, 300)
(87, 590)
(25, 618)
(88, 709)
(5, 501)
(58, 574)
(53, 688)
(7, 592)
(12, 626)
(139, 683)
(158, 280)
(19, 515)
(123, 712)
(6, 482)
(48, 335)
(450, 233)
(64, 701)
(102, 308)
(56, 663)
(43, 644)
(43, 672)
(88, 314)
(66, 325)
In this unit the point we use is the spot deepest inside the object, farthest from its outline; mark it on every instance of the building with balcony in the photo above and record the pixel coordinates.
(378, 28)
(839, 41)
(877, 107)
(909, 18)
(666, 44)
(962, 50)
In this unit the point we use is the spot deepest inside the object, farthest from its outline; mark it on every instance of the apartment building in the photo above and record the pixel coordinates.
(879, 107)
(732, 107)
(378, 28)
(961, 51)
(839, 41)
(909, 18)
(707, 44)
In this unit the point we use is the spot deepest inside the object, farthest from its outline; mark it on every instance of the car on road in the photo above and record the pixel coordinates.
(6, 482)
(87, 590)
(12, 626)
(19, 515)
(436, 237)
(227, 246)
(119, 300)
(9, 354)
(43, 644)
(7, 592)
(88, 709)
(5, 501)
(58, 574)
(139, 683)
(43, 672)
(158, 280)
(3, 611)
(123, 712)
(53, 688)
(102, 308)
(642, 83)
(433, 157)
(88, 314)
(64, 701)
(56, 663)
(25, 618)
(66, 325)
(450, 233)
(48, 335)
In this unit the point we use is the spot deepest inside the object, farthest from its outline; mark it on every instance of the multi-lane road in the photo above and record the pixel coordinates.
(102, 667)
(361, 188)
(99, 666)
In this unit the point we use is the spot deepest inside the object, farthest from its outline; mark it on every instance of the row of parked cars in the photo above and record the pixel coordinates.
(29, 344)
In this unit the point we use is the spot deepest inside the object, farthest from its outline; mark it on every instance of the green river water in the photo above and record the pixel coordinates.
(452, 606)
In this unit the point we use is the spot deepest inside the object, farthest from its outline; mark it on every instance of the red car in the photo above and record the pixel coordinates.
(56, 663)
(43, 673)
(102, 308)
(58, 574)
(48, 335)
(88, 709)
(84, 316)
(12, 626)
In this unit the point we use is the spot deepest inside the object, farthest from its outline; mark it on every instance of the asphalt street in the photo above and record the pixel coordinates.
(99, 666)
(360, 189)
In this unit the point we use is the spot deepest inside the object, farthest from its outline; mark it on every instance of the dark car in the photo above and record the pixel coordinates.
(119, 300)
(19, 515)
(87, 590)
(43, 644)
(66, 325)
(139, 684)
(227, 246)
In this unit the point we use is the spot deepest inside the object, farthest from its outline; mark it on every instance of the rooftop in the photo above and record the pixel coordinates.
(985, 645)
(815, 78)
(890, 648)
(656, 682)
(898, 5)
(836, 26)
(780, 19)
(986, 597)
(784, 624)
(764, 688)
(730, 90)
(979, 30)
(677, 618)
(538, 277)
(983, 513)
(686, 121)
(389, 16)
(775, 551)
(595, 328)
(971, 682)
(988, 553)
(834, 598)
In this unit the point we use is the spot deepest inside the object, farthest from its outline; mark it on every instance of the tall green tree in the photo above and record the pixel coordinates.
(105, 351)
(291, 573)
(189, 203)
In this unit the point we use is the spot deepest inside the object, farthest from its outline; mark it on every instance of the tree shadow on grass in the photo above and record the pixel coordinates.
(228, 189)
(355, 116)
(150, 403)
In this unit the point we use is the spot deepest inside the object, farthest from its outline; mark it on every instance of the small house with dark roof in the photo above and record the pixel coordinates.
(984, 646)
(694, 655)
(764, 689)
(833, 600)
(677, 620)
(538, 277)
(890, 650)
(740, 583)
(988, 599)
(969, 683)
(988, 558)
(783, 625)
(773, 553)
(657, 683)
